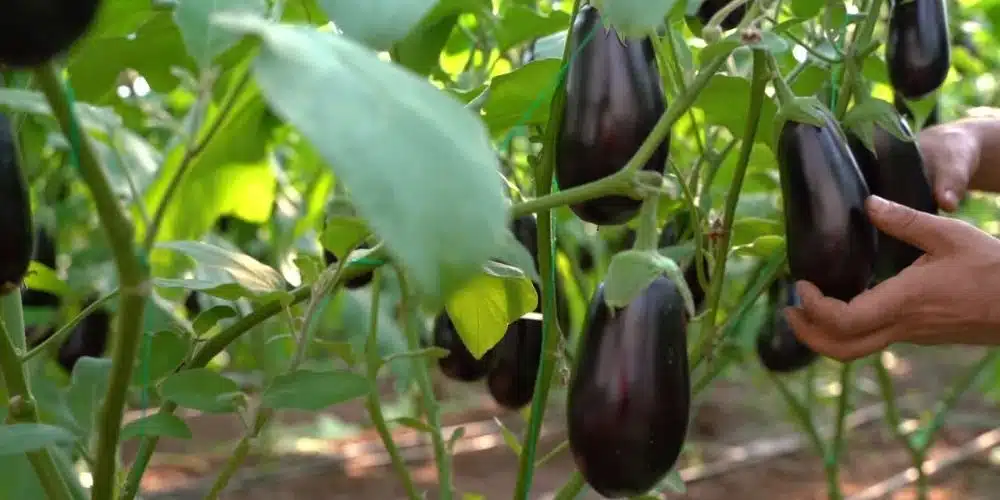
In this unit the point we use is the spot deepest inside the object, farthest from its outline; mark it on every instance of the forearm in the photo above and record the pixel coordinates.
(986, 172)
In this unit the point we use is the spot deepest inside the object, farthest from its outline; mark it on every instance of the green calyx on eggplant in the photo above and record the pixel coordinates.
(614, 97)
(15, 223)
(44, 253)
(830, 240)
(709, 8)
(918, 48)
(778, 349)
(672, 234)
(459, 364)
(511, 378)
(630, 395)
(896, 172)
(33, 32)
(933, 118)
(356, 282)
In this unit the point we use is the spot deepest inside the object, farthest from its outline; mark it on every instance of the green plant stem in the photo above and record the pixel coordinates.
(620, 183)
(65, 330)
(836, 449)
(546, 270)
(782, 91)
(22, 404)
(373, 404)
(132, 278)
(211, 348)
(950, 400)
(859, 41)
(760, 77)
(895, 423)
(190, 153)
(646, 237)
(430, 403)
(803, 416)
(240, 453)
(12, 314)
(572, 488)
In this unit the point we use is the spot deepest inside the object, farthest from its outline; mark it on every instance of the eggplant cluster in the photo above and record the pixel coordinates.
(510, 367)
(614, 97)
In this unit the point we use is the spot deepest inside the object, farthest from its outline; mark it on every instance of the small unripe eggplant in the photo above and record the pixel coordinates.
(354, 283)
(630, 395)
(459, 364)
(34, 31)
(708, 8)
(895, 172)
(830, 240)
(88, 338)
(44, 253)
(918, 48)
(778, 349)
(15, 213)
(614, 97)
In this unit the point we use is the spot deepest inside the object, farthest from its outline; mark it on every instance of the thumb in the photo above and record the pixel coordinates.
(930, 233)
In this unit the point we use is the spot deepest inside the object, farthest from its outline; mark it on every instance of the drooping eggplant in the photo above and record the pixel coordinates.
(708, 8)
(15, 213)
(44, 253)
(192, 304)
(629, 395)
(512, 376)
(671, 235)
(933, 118)
(88, 338)
(830, 240)
(918, 48)
(896, 172)
(614, 97)
(778, 349)
(35, 31)
(459, 364)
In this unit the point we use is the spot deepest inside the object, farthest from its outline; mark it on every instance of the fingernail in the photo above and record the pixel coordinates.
(950, 198)
(877, 203)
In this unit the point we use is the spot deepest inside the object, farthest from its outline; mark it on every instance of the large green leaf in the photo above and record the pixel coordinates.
(205, 41)
(418, 165)
(377, 23)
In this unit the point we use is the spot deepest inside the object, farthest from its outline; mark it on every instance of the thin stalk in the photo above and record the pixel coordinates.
(65, 330)
(782, 91)
(22, 404)
(192, 151)
(860, 39)
(240, 453)
(441, 455)
(646, 236)
(950, 400)
(837, 447)
(133, 279)
(803, 416)
(572, 488)
(619, 183)
(373, 404)
(895, 424)
(760, 78)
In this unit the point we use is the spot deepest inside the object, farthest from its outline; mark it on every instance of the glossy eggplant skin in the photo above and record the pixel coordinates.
(778, 349)
(918, 49)
(459, 364)
(35, 31)
(614, 97)
(671, 235)
(354, 283)
(44, 253)
(708, 8)
(830, 240)
(15, 223)
(895, 172)
(933, 118)
(630, 395)
(512, 376)
(89, 338)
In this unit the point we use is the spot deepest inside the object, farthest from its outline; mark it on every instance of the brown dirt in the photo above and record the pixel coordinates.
(734, 419)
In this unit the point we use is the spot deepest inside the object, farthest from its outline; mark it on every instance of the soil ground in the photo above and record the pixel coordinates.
(741, 444)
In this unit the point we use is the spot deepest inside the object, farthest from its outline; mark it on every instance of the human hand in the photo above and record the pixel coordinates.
(948, 296)
(951, 154)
